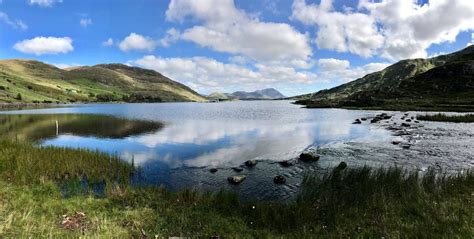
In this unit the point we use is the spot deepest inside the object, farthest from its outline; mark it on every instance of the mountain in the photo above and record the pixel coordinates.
(444, 82)
(265, 94)
(34, 81)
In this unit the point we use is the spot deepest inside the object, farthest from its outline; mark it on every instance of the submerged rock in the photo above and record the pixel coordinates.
(287, 163)
(250, 163)
(408, 120)
(309, 156)
(405, 125)
(279, 179)
(357, 121)
(363, 119)
(236, 179)
(238, 169)
(213, 170)
(342, 165)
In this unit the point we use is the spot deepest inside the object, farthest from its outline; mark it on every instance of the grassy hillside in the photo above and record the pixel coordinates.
(34, 81)
(443, 82)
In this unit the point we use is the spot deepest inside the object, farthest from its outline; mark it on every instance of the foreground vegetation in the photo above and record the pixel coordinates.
(467, 118)
(345, 202)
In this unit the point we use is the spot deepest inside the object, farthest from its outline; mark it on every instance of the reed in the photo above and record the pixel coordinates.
(466, 118)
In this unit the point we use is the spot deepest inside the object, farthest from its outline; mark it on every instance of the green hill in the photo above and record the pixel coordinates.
(34, 81)
(440, 83)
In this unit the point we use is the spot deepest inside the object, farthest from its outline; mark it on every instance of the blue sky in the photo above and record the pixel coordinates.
(295, 46)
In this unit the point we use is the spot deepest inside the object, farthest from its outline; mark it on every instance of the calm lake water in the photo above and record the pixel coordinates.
(175, 144)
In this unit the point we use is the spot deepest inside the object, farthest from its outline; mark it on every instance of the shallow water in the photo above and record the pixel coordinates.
(190, 138)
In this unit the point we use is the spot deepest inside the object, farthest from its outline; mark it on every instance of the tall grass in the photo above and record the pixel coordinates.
(352, 202)
(26, 164)
(467, 118)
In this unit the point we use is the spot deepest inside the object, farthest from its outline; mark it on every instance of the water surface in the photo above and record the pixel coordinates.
(176, 144)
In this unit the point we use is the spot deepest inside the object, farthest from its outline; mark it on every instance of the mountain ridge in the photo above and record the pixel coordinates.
(438, 83)
(24, 80)
(264, 94)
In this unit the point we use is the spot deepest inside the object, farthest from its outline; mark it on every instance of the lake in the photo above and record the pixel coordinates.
(175, 144)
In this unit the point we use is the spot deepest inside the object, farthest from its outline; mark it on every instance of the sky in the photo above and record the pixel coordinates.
(295, 46)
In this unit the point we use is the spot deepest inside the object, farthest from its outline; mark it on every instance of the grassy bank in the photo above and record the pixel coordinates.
(349, 202)
(467, 118)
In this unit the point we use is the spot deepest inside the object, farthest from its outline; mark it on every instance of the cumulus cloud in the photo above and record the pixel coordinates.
(108, 42)
(344, 32)
(16, 24)
(472, 40)
(45, 45)
(332, 64)
(172, 35)
(394, 29)
(336, 70)
(207, 74)
(44, 3)
(137, 42)
(224, 28)
(84, 22)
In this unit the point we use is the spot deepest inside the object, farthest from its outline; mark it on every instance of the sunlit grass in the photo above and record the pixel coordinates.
(467, 118)
(350, 202)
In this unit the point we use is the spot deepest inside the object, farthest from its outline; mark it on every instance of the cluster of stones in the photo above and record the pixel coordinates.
(278, 179)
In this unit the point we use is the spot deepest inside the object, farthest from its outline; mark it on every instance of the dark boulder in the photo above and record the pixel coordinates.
(213, 170)
(357, 121)
(309, 156)
(237, 169)
(279, 179)
(342, 165)
(405, 125)
(287, 163)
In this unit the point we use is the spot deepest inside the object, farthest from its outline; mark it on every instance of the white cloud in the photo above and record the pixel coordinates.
(172, 35)
(344, 32)
(206, 74)
(44, 3)
(137, 42)
(391, 28)
(16, 24)
(85, 22)
(332, 64)
(225, 28)
(472, 40)
(45, 45)
(108, 42)
(340, 70)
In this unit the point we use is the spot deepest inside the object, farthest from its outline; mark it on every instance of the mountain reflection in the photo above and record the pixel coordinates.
(38, 127)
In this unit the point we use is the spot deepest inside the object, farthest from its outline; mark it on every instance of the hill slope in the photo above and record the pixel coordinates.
(440, 83)
(265, 94)
(34, 81)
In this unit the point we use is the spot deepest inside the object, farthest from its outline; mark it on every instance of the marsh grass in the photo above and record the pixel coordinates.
(467, 118)
(353, 202)
(26, 164)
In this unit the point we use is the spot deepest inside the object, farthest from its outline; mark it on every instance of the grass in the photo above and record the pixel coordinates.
(467, 118)
(354, 202)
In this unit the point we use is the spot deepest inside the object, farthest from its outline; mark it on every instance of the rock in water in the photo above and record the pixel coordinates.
(287, 163)
(279, 179)
(357, 121)
(213, 170)
(307, 157)
(250, 163)
(405, 125)
(342, 165)
(238, 169)
(236, 179)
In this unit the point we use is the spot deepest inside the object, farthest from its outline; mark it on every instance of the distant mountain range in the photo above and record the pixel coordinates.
(265, 94)
(445, 82)
(34, 81)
